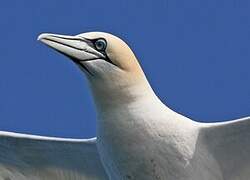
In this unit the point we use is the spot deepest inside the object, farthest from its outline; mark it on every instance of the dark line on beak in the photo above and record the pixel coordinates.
(67, 45)
(80, 64)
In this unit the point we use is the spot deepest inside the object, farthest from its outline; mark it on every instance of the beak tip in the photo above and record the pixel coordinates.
(42, 36)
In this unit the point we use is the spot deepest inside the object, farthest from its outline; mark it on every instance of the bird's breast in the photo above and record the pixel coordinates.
(142, 148)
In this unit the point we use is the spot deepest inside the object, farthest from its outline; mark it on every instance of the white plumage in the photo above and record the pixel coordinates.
(138, 137)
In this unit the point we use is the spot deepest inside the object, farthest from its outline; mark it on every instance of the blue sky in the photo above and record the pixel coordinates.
(196, 55)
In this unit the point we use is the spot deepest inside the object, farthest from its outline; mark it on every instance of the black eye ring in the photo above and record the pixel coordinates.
(100, 44)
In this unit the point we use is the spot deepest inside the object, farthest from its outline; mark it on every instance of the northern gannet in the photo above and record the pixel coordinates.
(138, 137)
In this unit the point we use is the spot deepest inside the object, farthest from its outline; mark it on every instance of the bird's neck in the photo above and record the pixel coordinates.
(116, 95)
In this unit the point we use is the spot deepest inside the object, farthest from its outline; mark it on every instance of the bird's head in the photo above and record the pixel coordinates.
(108, 62)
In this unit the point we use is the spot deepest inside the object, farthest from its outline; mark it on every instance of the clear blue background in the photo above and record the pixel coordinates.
(195, 54)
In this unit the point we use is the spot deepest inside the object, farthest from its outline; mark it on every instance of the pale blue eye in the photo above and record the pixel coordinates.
(100, 44)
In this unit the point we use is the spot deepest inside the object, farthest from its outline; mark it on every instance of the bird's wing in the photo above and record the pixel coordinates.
(229, 143)
(28, 157)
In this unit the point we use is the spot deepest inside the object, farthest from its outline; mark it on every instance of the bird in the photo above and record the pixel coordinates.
(138, 137)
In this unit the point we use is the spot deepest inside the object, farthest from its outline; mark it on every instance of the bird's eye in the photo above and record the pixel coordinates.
(100, 44)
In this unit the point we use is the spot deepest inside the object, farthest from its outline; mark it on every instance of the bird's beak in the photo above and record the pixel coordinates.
(75, 47)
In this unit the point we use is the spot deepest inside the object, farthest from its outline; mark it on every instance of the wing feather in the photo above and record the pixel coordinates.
(28, 157)
(229, 143)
